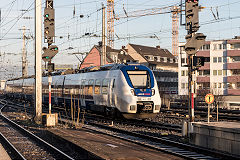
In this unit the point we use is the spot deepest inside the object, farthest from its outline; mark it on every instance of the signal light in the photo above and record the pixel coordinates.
(198, 61)
(49, 53)
(192, 15)
(49, 26)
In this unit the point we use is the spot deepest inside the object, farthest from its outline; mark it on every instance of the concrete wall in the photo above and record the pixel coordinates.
(222, 136)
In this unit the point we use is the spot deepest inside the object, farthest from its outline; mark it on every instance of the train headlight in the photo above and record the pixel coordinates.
(132, 108)
(132, 91)
(153, 92)
(157, 107)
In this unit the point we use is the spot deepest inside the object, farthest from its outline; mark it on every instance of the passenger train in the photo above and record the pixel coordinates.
(128, 90)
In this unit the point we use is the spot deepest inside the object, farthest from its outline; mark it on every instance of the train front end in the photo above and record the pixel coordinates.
(140, 93)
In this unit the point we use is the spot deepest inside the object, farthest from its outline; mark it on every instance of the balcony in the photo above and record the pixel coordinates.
(202, 92)
(233, 79)
(203, 79)
(235, 65)
(234, 92)
(204, 53)
(232, 53)
(205, 67)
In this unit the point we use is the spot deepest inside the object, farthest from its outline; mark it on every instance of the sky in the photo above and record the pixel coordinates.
(218, 20)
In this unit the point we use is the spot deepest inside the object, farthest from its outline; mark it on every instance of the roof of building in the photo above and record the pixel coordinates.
(124, 56)
(146, 50)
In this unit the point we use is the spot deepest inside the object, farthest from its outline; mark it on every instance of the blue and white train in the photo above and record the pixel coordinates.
(130, 90)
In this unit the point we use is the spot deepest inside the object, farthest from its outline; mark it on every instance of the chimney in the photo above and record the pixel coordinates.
(158, 47)
(100, 43)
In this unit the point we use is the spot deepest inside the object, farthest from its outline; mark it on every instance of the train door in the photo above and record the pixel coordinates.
(111, 93)
(82, 92)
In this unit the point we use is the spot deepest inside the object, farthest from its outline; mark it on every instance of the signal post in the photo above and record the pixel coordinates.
(194, 41)
(49, 52)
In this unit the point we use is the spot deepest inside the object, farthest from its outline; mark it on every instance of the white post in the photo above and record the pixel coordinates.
(50, 94)
(38, 61)
(208, 113)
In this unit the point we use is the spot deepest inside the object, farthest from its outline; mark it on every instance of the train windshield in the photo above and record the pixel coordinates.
(139, 79)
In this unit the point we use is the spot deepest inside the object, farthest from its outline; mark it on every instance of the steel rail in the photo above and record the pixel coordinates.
(15, 154)
(34, 137)
(176, 148)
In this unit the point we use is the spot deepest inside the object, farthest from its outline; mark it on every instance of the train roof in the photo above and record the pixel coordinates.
(86, 70)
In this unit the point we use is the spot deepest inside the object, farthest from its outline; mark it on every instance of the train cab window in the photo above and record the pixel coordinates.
(139, 79)
(97, 86)
(105, 83)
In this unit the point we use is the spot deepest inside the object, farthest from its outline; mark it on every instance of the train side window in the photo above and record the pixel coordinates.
(113, 83)
(97, 86)
(83, 87)
(90, 86)
(105, 84)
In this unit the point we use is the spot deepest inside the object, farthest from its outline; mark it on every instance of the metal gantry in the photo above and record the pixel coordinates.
(175, 10)
(110, 23)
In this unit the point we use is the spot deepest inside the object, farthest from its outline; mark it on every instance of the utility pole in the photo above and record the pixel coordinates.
(103, 56)
(24, 54)
(193, 44)
(38, 61)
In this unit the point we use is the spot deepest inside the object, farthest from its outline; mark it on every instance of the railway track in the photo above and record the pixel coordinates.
(164, 144)
(25, 145)
(159, 143)
(223, 115)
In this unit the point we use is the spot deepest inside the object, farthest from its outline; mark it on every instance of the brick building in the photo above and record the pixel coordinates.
(93, 58)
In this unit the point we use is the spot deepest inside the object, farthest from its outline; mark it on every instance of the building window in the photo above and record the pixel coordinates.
(236, 59)
(162, 59)
(236, 71)
(224, 59)
(214, 59)
(238, 85)
(200, 73)
(235, 46)
(225, 85)
(220, 46)
(215, 85)
(230, 86)
(165, 59)
(225, 72)
(219, 72)
(207, 59)
(147, 57)
(183, 85)
(214, 72)
(183, 73)
(224, 46)
(206, 72)
(219, 59)
(215, 47)
(207, 46)
(183, 60)
(219, 85)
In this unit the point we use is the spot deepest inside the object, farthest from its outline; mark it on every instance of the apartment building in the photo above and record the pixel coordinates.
(220, 74)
